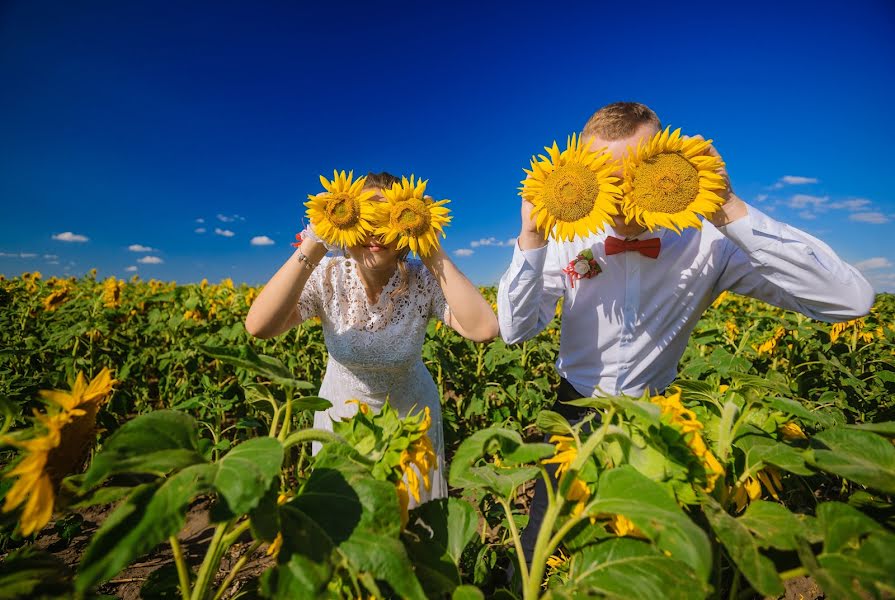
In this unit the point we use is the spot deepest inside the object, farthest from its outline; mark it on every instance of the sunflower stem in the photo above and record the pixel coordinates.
(235, 569)
(517, 542)
(210, 564)
(183, 574)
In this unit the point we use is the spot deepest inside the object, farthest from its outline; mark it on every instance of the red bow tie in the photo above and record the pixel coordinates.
(649, 247)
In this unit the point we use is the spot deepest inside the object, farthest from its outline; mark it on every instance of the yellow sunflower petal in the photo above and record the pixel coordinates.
(669, 182)
(572, 192)
(342, 215)
(410, 218)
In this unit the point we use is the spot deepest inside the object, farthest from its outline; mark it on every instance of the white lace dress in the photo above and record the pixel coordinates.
(375, 351)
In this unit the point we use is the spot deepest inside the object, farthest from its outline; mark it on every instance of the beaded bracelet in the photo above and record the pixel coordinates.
(302, 258)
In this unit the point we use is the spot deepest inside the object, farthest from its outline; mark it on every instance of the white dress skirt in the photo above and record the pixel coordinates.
(375, 351)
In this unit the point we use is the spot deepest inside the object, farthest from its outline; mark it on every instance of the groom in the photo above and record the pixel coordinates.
(625, 329)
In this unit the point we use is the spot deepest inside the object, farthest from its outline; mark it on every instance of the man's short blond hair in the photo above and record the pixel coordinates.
(380, 180)
(619, 120)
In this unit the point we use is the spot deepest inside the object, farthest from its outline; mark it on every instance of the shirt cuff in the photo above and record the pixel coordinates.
(756, 231)
(529, 260)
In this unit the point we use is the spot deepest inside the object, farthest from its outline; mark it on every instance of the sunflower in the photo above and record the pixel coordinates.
(411, 218)
(343, 214)
(566, 453)
(685, 421)
(573, 192)
(670, 181)
(57, 452)
(417, 461)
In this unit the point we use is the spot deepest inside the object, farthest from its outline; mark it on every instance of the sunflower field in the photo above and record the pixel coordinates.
(150, 448)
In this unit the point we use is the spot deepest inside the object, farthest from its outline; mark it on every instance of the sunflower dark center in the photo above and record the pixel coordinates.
(343, 210)
(570, 192)
(411, 217)
(666, 183)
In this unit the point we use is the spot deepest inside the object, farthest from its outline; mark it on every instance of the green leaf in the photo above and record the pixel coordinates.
(148, 517)
(797, 409)
(772, 525)
(842, 524)
(635, 407)
(28, 573)
(437, 532)
(342, 496)
(245, 473)
(464, 473)
(386, 559)
(744, 550)
(627, 492)
(266, 366)
(155, 443)
(552, 422)
(467, 592)
(623, 568)
(886, 428)
(860, 456)
(726, 363)
(760, 448)
(745, 381)
(304, 565)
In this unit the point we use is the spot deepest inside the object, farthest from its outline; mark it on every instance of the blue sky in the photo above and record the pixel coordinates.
(163, 138)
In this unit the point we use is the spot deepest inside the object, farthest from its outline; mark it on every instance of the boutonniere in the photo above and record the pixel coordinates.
(583, 266)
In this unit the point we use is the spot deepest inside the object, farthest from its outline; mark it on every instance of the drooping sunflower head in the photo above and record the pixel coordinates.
(411, 218)
(343, 214)
(670, 181)
(57, 447)
(574, 191)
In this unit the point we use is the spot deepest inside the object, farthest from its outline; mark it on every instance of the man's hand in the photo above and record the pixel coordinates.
(529, 236)
(733, 208)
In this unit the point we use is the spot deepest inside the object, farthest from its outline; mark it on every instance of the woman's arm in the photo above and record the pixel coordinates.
(471, 316)
(275, 310)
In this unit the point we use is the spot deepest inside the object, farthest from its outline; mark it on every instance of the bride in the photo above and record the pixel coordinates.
(374, 306)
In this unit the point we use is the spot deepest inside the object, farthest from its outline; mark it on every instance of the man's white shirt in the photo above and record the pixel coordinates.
(625, 329)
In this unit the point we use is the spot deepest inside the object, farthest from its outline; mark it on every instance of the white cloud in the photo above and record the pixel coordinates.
(200, 220)
(224, 232)
(853, 204)
(140, 248)
(877, 262)
(464, 252)
(229, 218)
(51, 256)
(17, 254)
(131, 269)
(876, 218)
(150, 260)
(797, 180)
(793, 180)
(199, 230)
(806, 200)
(882, 282)
(261, 240)
(491, 241)
(68, 236)
(807, 214)
(761, 197)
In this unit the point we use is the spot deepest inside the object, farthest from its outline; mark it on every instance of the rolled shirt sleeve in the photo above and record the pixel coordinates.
(789, 268)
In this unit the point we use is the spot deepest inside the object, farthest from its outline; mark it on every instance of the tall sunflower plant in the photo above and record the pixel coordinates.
(683, 495)
(342, 527)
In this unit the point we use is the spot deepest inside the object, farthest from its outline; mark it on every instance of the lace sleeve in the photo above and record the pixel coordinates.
(309, 303)
(438, 306)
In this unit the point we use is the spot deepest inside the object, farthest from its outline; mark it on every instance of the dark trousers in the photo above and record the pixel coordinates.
(538, 506)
